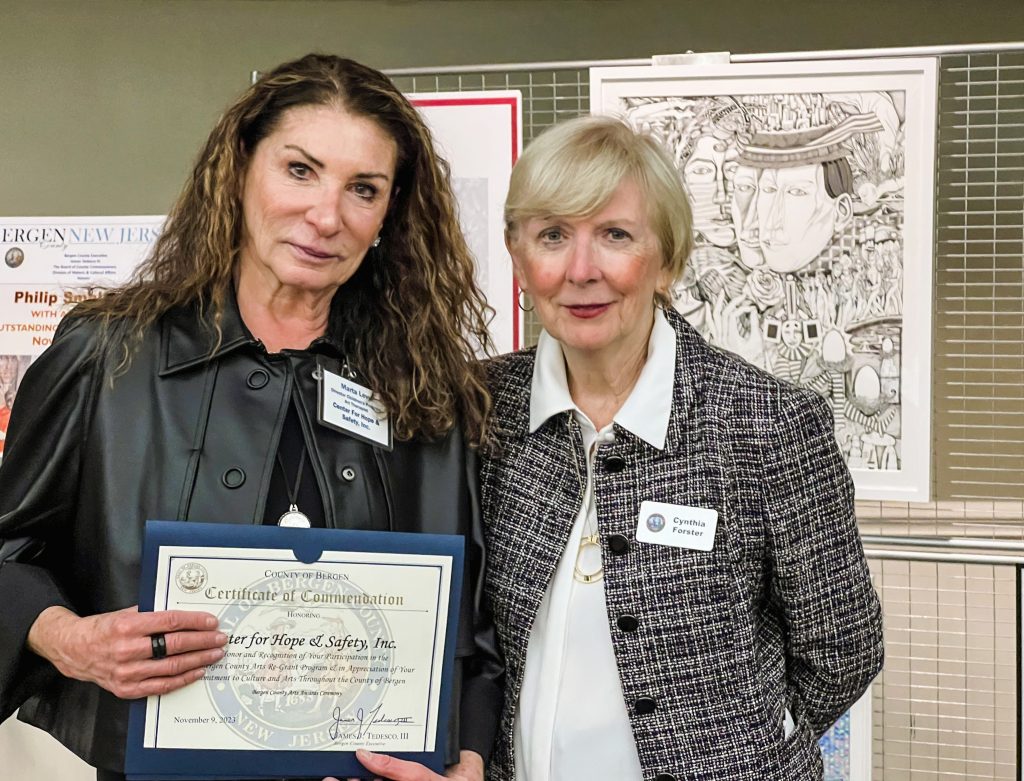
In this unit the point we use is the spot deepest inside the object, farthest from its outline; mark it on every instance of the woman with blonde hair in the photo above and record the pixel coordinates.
(673, 559)
(317, 231)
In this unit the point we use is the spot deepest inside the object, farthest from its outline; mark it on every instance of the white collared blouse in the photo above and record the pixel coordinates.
(572, 723)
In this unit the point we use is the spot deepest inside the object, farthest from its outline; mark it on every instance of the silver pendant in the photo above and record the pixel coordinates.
(293, 519)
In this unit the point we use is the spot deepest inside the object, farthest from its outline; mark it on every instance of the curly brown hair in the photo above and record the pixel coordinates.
(411, 319)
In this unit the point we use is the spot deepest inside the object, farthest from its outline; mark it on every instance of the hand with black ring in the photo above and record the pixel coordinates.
(120, 651)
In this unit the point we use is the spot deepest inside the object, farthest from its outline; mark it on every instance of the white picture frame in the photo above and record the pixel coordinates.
(837, 297)
(480, 135)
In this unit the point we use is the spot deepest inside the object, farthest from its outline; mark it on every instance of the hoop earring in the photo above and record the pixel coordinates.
(519, 302)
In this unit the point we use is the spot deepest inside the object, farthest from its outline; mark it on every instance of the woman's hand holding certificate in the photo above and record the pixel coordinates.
(116, 650)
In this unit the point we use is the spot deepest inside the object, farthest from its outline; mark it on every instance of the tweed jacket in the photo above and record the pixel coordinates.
(780, 614)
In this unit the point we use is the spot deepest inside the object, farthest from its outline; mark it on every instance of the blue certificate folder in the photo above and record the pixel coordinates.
(154, 764)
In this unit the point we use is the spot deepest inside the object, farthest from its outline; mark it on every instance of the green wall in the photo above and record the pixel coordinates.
(103, 103)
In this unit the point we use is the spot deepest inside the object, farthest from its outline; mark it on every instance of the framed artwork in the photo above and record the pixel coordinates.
(479, 134)
(812, 187)
(846, 748)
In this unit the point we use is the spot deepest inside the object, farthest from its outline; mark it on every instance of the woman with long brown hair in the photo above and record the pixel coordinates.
(317, 231)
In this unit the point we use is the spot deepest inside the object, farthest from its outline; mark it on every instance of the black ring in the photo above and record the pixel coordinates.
(159, 643)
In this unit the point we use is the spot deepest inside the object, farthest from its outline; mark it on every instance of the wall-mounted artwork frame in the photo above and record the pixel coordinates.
(812, 185)
(480, 135)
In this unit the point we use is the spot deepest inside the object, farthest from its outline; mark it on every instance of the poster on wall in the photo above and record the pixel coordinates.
(846, 747)
(479, 134)
(812, 192)
(49, 265)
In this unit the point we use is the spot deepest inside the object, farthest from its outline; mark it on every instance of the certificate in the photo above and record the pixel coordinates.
(338, 640)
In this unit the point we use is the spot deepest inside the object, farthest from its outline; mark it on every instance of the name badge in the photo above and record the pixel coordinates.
(677, 525)
(349, 407)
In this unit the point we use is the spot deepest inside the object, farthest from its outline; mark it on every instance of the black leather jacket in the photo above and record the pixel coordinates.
(185, 436)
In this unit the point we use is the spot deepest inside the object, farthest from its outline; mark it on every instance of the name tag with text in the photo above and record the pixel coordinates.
(677, 525)
(347, 406)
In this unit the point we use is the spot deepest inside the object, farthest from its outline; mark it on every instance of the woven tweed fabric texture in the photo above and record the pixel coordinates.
(779, 614)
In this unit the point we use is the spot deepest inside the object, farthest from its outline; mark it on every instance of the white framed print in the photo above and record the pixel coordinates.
(480, 135)
(812, 188)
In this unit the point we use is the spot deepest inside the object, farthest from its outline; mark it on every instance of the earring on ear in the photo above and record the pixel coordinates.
(376, 241)
(519, 301)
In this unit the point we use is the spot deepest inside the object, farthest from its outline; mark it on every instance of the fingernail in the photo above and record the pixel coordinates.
(211, 621)
(362, 752)
(200, 673)
(222, 638)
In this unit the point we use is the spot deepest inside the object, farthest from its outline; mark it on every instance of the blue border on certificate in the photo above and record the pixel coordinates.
(156, 764)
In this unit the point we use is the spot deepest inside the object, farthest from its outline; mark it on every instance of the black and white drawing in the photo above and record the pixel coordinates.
(811, 215)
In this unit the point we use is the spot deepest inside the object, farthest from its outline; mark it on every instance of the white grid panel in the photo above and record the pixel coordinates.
(978, 404)
(979, 289)
(945, 706)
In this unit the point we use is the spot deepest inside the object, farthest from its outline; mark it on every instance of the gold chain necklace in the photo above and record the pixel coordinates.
(587, 540)
(578, 574)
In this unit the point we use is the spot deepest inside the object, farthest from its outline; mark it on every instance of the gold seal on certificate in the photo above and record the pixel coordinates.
(343, 653)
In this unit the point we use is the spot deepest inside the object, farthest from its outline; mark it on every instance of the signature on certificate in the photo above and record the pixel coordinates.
(362, 720)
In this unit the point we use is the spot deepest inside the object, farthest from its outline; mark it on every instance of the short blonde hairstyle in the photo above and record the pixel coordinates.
(574, 168)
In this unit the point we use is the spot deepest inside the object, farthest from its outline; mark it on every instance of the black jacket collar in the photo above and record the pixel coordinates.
(188, 336)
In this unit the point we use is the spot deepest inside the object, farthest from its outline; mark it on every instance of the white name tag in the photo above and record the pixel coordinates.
(349, 407)
(677, 525)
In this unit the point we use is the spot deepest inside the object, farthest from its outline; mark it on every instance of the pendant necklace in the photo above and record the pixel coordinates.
(587, 540)
(293, 518)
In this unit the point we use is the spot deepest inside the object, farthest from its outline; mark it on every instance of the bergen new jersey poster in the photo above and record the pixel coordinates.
(812, 194)
(50, 264)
